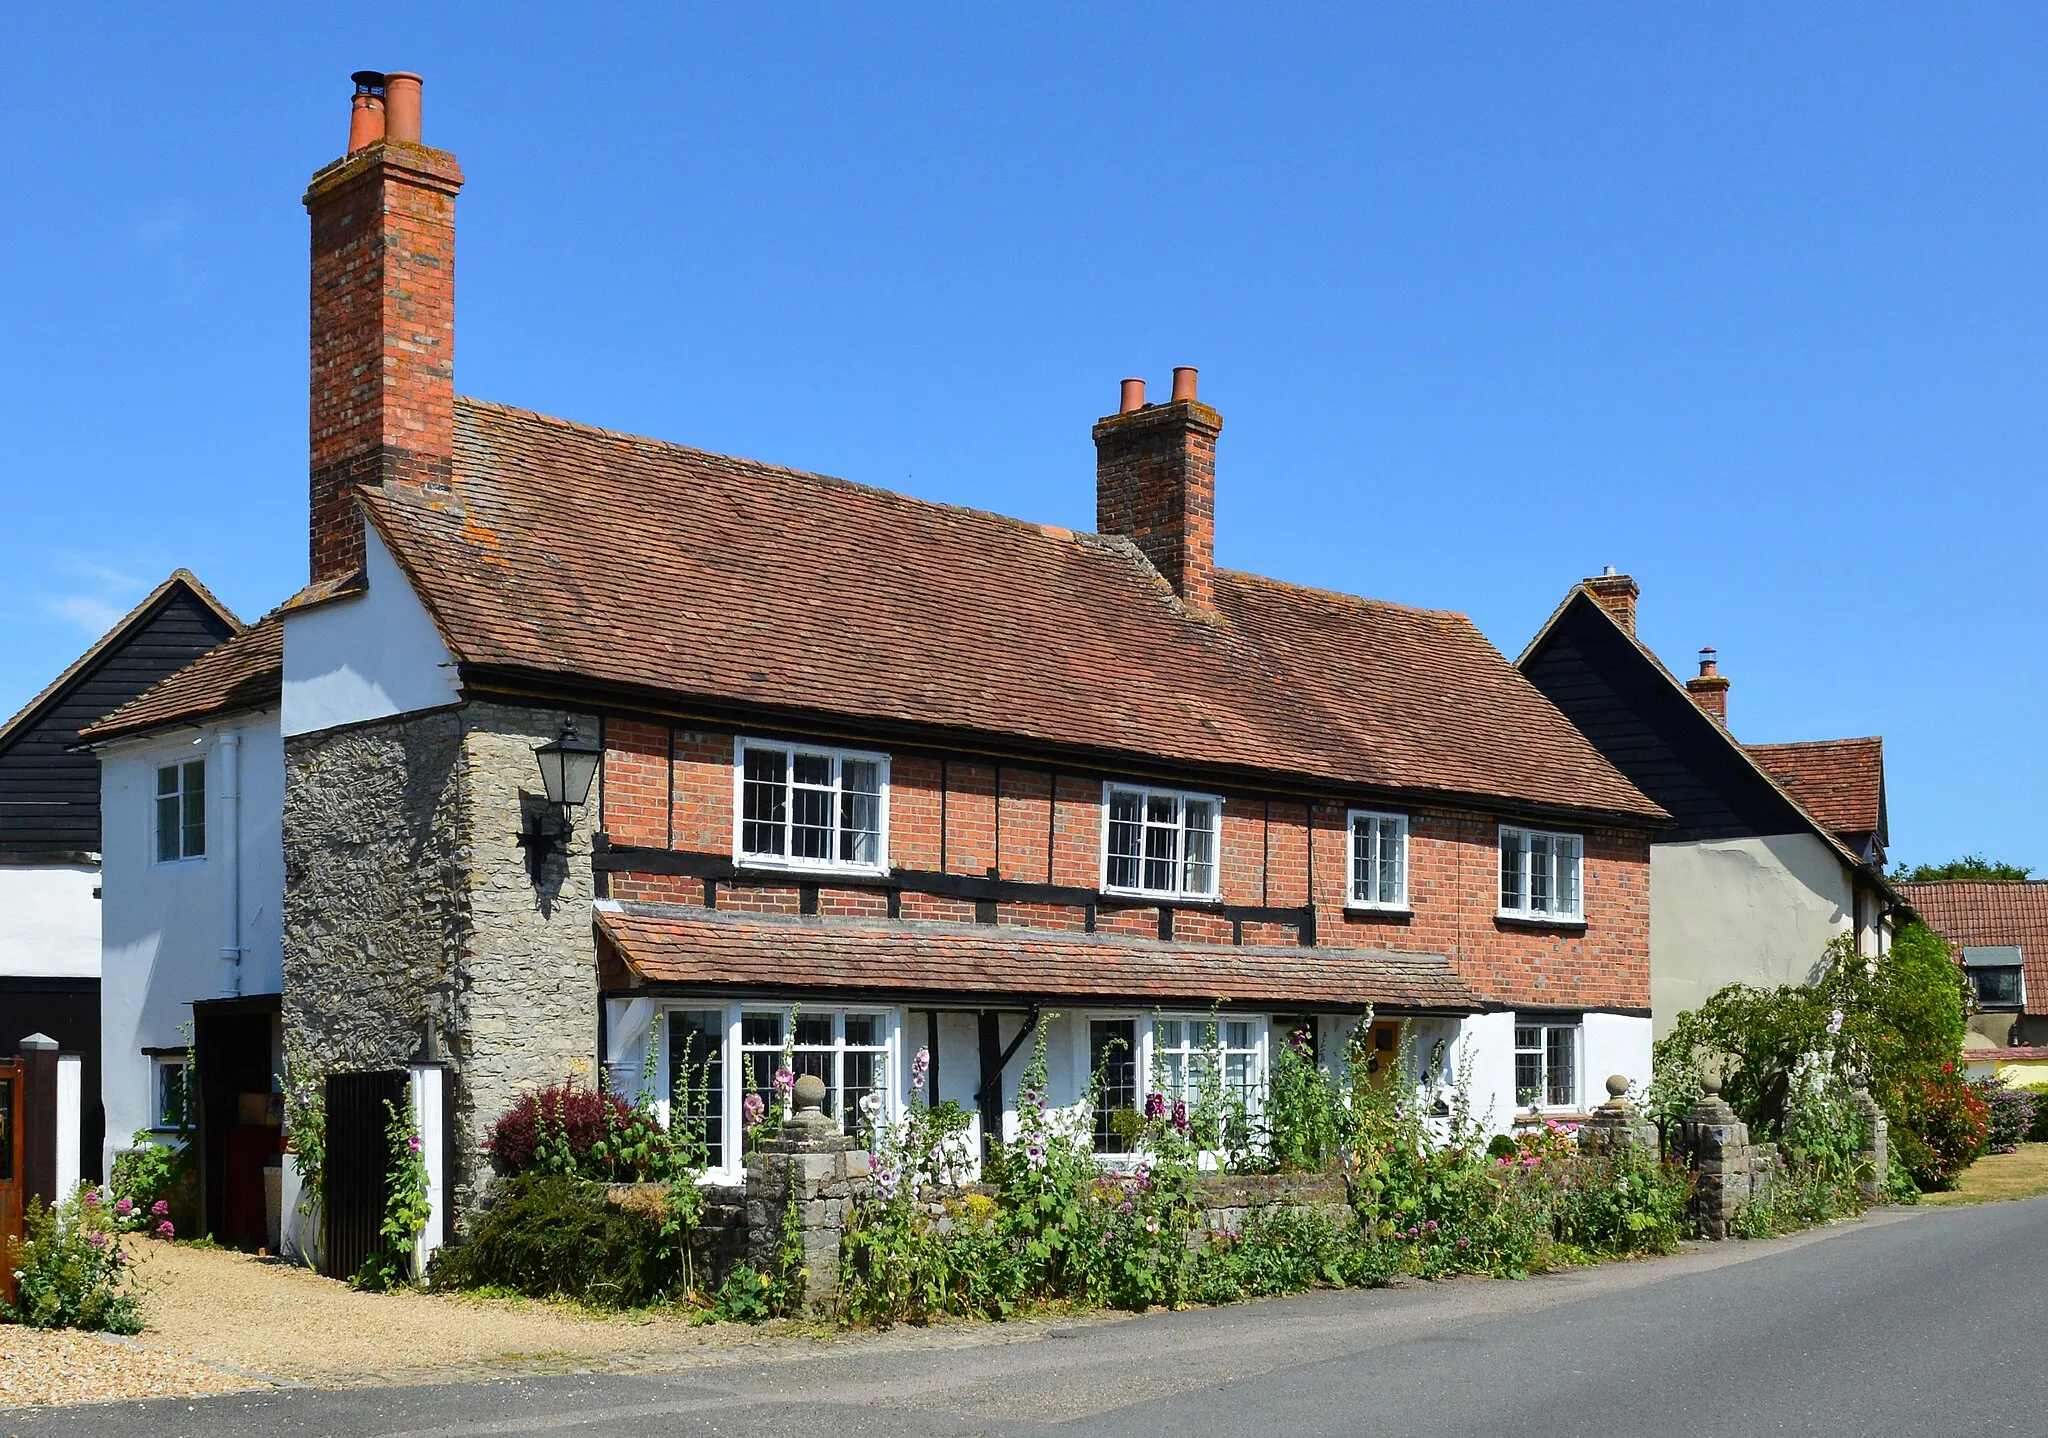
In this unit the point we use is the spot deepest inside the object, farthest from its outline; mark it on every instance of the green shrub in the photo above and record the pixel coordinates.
(553, 1236)
(2037, 1131)
(71, 1269)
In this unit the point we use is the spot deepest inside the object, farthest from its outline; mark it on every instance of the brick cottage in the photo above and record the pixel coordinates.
(880, 774)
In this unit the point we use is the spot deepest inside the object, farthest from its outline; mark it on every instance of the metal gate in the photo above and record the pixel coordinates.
(357, 1184)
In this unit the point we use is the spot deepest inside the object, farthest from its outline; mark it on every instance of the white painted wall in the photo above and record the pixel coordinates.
(365, 658)
(1486, 1049)
(49, 922)
(1754, 911)
(70, 1114)
(1613, 1044)
(163, 926)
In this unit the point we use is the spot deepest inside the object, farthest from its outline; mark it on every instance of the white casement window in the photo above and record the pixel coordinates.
(169, 1098)
(848, 1050)
(1379, 860)
(1184, 1058)
(181, 811)
(1546, 1063)
(1159, 842)
(799, 806)
(1540, 875)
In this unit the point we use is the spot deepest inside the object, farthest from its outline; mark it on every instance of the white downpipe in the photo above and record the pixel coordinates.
(230, 754)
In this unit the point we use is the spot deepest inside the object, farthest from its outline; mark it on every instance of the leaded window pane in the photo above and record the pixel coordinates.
(1568, 849)
(696, 1066)
(1112, 1054)
(1540, 873)
(1560, 1055)
(168, 827)
(195, 809)
(1125, 840)
(765, 813)
(1200, 862)
(860, 811)
(1392, 856)
(1162, 833)
(1510, 869)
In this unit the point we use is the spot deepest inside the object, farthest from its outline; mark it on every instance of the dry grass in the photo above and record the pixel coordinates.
(1998, 1177)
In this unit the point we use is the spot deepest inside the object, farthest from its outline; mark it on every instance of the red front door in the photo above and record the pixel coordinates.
(10, 1172)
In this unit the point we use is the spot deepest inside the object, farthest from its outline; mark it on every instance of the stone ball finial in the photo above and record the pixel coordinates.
(1710, 1084)
(810, 1094)
(1617, 1085)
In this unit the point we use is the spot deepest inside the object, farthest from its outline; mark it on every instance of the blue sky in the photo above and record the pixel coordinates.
(1746, 301)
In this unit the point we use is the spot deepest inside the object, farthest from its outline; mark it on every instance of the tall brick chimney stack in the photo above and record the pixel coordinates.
(383, 333)
(1155, 483)
(1617, 594)
(1709, 688)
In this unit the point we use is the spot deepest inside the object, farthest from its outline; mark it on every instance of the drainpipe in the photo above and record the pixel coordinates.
(229, 748)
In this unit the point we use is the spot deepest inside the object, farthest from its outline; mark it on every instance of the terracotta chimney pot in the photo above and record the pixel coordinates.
(402, 107)
(1183, 381)
(1709, 688)
(366, 110)
(1133, 396)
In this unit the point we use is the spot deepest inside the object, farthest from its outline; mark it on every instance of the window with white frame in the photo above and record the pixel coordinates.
(1160, 842)
(169, 1105)
(1546, 1063)
(696, 1078)
(1540, 874)
(181, 811)
(1113, 1066)
(1197, 1059)
(804, 807)
(1379, 860)
(847, 1050)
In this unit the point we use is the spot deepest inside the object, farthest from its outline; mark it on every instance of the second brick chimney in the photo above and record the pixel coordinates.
(1617, 594)
(1155, 484)
(1709, 688)
(383, 330)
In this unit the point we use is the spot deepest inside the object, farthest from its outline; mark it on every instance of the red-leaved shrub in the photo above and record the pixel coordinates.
(568, 1110)
(1949, 1123)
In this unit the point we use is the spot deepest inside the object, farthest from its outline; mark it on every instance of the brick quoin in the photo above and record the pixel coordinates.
(383, 335)
(949, 807)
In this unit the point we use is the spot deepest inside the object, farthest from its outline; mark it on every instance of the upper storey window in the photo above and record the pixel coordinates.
(805, 807)
(1540, 875)
(1159, 842)
(181, 811)
(1379, 860)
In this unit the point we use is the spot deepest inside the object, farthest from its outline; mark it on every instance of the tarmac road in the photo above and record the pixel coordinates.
(1922, 1322)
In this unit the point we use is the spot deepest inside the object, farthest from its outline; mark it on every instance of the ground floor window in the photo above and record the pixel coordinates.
(696, 1077)
(1546, 1063)
(1113, 1061)
(169, 1105)
(1196, 1058)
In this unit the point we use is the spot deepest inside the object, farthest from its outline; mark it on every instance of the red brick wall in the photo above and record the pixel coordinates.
(1265, 858)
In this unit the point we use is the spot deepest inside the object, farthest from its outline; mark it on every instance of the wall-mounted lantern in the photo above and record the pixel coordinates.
(568, 765)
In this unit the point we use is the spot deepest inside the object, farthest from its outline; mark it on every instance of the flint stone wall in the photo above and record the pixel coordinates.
(407, 897)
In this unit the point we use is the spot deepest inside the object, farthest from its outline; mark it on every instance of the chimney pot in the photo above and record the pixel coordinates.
(1133, 396)
(1183, 381)
(1707, 662)
(402, 107)
(366, 110)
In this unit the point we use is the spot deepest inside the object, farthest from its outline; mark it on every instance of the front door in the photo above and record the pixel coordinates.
(10, 1172)
(1383, 1051)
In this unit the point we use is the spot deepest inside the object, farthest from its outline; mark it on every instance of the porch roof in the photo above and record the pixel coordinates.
(675, 945)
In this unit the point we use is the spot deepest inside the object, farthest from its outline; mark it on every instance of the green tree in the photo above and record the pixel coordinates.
(1974, 867)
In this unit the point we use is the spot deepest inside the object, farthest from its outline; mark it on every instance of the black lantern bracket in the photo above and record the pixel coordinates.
(568, 766)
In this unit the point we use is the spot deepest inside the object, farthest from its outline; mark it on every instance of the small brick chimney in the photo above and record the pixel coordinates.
(1155, 484)
(1709, 688)
(383, 331)
(1617, 594)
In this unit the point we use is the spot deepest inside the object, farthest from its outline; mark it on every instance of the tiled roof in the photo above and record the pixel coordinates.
(241, 673)
(179, 578)
(665, 944)
(1973, 915)
(567, 551)
(1838, 781)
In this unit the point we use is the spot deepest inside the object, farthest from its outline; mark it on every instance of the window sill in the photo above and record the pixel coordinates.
(1378, 911)
(1538, 921)
(808, 872)
(1176, 901)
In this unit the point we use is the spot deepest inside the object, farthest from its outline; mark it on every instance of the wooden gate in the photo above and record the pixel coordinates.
(12, 1202)
(357, 1184)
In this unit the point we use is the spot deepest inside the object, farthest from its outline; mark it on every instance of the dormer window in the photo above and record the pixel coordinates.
(801, 806)
(1997, 977)
(1160, 843)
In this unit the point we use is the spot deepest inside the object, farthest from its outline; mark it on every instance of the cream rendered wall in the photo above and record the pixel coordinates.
(49, 922)
(163, 925)
(1754, 911)
(365, 658)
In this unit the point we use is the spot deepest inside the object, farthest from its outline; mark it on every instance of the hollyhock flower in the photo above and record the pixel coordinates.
(1430, 1226)
(1180, 1116)
(753, 1109)
(919, 1067)
(413, 1143)
(785, 1080)
(165, 1230)
(1835, 1022)
(1155, 1105)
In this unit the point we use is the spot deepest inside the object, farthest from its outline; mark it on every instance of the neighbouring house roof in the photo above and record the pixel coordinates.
(1982, 914)
(661, 944)
(240, 674)
(49, 789)
(1839, 781)
(1713, 758)
(568, 554)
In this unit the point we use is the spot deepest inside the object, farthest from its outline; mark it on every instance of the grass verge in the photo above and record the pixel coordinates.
(1998, 1177)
